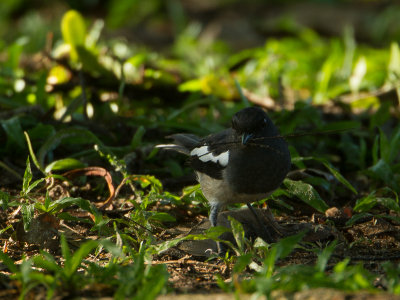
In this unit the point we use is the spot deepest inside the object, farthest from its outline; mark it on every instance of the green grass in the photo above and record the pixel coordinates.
(93, 104)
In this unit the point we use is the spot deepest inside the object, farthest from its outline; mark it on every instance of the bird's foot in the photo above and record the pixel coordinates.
(220, 253)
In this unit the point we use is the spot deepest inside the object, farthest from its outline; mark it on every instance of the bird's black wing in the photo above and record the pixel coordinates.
(211, 155)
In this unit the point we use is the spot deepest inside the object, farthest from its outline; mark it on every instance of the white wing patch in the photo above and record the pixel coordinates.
(205, 155)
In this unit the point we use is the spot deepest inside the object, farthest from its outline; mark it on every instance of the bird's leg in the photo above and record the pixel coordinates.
(214, 211)
(264, 228)
(215, 208)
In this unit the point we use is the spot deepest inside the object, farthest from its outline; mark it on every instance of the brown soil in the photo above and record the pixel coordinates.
(370, 241)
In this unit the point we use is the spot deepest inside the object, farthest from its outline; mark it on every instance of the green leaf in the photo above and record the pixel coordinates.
(394, 145)
(389, 203)
(242, 96)
(306, 193)
(13, 129)
(41, 131)
(112, 248)
(32, 153)
(331, 169)
(339, 176)
(392, 274)
(76, 103)
(47, 201)
(394, 62)
(381, 116)
(90, 62)
(269, 262)
(360, 69)
(340, 267)
(162, 217)
(60, 204)
(154, 280)
(366, 203)
(74, 133)
(286, 245)
(324, 257)
(94, 33)
(26, 184)
(214, 232)
(65, 251)
(27, 177)
(5, 259)
(72, 265)
(49, 281)
(382, 171)
(375, 150)
(46, 262)
(14, 53)
(137, 137)
(174, 167)
(238, 233)
(260, 243)
(4, 199)
(392, 218)
(280, 250)
(325, 75)
(194, 85)
(64, 164)
(357, 217)
(384, 146)
(26, 269)
(28, 211)
(242, 262)
(10, 170)
(297, 160)
(73, 30)
(341, 126)
(34, 184)
(164, 246)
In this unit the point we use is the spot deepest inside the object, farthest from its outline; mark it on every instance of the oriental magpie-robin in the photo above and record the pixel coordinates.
(242, 164)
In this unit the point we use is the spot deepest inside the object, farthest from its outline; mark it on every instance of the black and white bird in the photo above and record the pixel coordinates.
(242, 164)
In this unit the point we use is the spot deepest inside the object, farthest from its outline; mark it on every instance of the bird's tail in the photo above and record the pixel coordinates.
(183, 143)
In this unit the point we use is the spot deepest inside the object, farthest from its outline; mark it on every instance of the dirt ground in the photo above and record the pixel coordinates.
(370, 241)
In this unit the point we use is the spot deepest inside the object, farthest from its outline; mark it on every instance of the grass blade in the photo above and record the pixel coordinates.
(32, 153)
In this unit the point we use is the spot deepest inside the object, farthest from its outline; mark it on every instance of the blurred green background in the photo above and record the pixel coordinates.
(100, 83)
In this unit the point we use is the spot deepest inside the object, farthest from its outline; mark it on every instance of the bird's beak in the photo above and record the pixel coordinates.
(246, 137)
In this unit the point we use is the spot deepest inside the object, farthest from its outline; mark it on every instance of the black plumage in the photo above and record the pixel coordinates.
(242, 164)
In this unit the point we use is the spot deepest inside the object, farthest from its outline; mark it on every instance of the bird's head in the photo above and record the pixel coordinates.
(251, 122)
